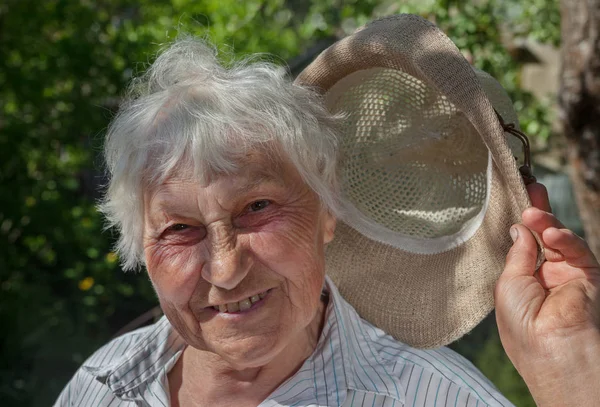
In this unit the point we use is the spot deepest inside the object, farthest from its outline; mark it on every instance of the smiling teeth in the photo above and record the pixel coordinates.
(245, 304)
(242, 305)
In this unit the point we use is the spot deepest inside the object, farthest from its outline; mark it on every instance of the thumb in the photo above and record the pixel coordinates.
(515, 301)
(522, 257)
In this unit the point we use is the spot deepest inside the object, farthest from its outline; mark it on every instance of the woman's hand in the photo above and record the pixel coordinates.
(549, 320)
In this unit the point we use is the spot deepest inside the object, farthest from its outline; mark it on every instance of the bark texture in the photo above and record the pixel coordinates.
(579, 101)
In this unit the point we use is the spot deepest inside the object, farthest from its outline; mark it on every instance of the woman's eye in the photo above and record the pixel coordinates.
(258, 205)
(181, 233)
(178, 227)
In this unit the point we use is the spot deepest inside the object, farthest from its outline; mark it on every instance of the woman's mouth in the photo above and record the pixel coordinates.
(242, 305)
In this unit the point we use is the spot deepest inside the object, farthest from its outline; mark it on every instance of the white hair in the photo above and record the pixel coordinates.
(189, 110)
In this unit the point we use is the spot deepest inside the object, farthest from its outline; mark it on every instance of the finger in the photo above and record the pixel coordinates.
(575, 250)
(551, 275)
(539, 196)
(552, 255)
(539, 220)
(522, 256)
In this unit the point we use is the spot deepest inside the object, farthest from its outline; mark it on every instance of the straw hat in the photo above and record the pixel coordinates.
(430, 183)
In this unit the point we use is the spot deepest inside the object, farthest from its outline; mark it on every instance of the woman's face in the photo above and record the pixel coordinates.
(238, 263)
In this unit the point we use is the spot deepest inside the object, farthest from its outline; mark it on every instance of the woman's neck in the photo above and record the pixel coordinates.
(202, 378)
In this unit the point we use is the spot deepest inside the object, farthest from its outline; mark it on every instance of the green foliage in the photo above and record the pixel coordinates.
(64, 65)
(537, 19)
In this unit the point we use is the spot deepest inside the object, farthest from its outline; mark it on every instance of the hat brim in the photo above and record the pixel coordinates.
(420, 299)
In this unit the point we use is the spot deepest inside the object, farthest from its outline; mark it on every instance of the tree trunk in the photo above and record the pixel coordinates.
(579, 100)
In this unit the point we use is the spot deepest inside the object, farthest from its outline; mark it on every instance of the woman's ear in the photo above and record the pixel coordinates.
(329, 223)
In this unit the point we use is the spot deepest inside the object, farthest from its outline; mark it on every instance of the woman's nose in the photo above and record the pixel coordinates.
(227, 265)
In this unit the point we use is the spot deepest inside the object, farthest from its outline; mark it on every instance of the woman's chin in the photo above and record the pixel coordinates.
(243, 352)
(252, 353)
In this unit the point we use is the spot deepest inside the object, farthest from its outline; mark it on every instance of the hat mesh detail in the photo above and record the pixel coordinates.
(410, 161)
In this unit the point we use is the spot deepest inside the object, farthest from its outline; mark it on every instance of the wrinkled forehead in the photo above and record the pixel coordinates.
(254, 169)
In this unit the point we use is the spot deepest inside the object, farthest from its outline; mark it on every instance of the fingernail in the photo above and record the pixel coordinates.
(514, 233)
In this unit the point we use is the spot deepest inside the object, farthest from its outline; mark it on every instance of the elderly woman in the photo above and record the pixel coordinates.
(224, 187)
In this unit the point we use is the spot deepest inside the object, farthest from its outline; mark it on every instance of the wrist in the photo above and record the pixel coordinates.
(565, 373)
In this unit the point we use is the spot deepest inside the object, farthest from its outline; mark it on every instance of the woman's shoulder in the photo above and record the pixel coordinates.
(117, 348)
(89, 377)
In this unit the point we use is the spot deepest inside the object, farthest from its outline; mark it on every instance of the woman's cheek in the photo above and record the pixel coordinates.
(272, 242)
(287, 254)
(174, 271)
(160, 256)
(298, 264)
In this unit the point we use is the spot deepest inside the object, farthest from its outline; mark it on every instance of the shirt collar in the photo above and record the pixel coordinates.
(344, 359)
(364, 369)
(157, 347)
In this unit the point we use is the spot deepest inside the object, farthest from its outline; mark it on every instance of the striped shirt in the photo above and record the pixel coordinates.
(354, 364)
